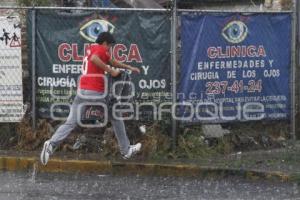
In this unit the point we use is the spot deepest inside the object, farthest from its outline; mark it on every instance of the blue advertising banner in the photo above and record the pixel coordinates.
(235, 67)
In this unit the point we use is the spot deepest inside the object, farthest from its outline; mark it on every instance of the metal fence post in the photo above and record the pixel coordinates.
(174, 66)
(33, 68)
(297, 37)
(293, 71)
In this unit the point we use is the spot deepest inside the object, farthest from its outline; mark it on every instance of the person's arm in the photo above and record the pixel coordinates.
(124, 66)
(97, 61)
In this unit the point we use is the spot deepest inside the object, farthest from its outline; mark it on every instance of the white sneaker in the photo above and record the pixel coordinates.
(133, 149)
(46, 152)
(142, 129)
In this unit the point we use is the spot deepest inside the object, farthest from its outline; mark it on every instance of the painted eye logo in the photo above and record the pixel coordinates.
(235, 32)
(92, 29)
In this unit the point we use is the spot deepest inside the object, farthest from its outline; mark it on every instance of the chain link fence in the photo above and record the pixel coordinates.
(43, 48)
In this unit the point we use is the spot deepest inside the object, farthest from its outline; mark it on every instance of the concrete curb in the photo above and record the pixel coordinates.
(133, 168)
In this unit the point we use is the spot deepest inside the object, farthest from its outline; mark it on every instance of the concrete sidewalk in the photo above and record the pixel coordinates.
(231, 165)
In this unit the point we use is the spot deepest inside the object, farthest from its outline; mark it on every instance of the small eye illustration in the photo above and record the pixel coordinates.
(235, 32)
(92, 29)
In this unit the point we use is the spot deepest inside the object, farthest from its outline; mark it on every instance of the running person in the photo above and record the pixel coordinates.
(91, 89)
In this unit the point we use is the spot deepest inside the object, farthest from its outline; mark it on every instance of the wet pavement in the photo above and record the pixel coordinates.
(41, 186)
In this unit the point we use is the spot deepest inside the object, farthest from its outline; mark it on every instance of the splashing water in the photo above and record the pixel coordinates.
(34, 172)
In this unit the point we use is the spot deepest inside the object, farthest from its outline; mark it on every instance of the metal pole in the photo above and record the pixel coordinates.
(174, 66)
(84, 8)
(297, 41)
(231, 11)
(293, 74)
(33, 67)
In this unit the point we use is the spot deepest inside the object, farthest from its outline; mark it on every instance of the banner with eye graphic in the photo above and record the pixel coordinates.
(235, 67)
(142, 40)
